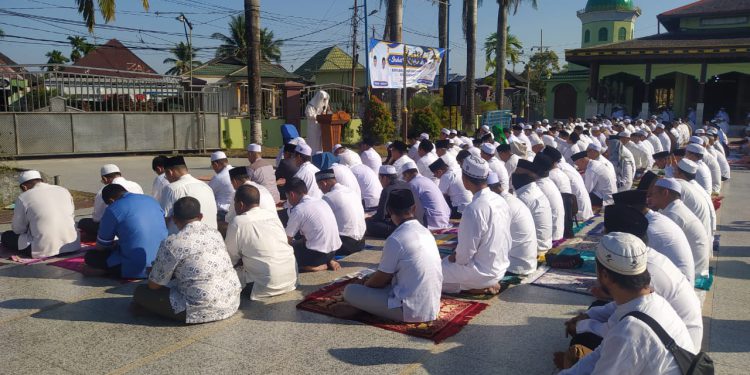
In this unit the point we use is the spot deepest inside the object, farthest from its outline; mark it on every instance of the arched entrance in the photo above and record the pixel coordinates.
(566, 100)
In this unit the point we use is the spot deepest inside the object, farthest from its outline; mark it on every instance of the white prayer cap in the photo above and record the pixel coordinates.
(622, 253)
(336, 147)
(545, 121)
(387, 170)
(28, 176)
(535, 141)
(640, 133)
(699, 131)
(485, 128)
(488, 148)
(454, 131)
(445, 131)
(669, 183)
(423, 136)
(111, 168)
(711, 131)
(408, 165)
(527, 127)
(705, 140)
(594, 128)
(492, 179)
(624, 134)
(303, 149)
(549, 140)
(697, 140)
(688, 166)
(218, 155)
(475, 167)
(696, 149)
(475, 151)
(595, 147)
(253, 147)
(660, 126)
(540, 130)
(388, 144)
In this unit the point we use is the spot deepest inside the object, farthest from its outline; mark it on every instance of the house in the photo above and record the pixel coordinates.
(13, 82)
(113, 60)
(332, 66)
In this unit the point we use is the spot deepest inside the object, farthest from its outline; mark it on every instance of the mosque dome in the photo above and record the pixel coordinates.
(605, 5)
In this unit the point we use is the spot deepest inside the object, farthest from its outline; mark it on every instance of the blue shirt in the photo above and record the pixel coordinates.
(437, 213)
(138, 222)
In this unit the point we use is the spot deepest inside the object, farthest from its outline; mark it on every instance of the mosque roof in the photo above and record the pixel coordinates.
(605, 5)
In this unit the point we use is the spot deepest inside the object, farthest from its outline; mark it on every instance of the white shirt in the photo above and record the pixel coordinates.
(666, 281)
(632, 347)
(578, 187)
(609, 165)
(346, 177)
(423, 165)
(640, 156)
(350, 216)
(314, 219)
(561, 180)
(703, 177)
(411, 256)
(655, 143)
(601, 181)
(483, 244)
(158, 186)
(556, 205)
(189, 186)
(452, 185)
(266, 201)
(258, 239)
(700, 245)
(709, 159)
(399, 164)
(497, 166)
(43, 218)
(100, 206)
(696, 199)
(372, 159)
(306, 172)
(221, 184)
(667, 238)
(369, 184)
(626, 171)
(523, 251)
(666, 143)
(541, 212)
(723, 164)
(511, 164)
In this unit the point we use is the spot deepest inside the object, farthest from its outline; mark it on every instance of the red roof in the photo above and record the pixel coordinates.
(710, 7)
(5, 60)
(115, 56)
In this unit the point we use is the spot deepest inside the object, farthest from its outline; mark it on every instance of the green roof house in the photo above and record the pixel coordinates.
(331, 66)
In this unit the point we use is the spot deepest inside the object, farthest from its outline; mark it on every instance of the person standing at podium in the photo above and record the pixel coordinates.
(317, 106)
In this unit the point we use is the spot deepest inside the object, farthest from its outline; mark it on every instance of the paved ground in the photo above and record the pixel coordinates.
(54, 321)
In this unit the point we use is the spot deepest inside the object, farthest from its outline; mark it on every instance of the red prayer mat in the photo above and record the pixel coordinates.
(14, 257)
(73, 264)
(454, 314)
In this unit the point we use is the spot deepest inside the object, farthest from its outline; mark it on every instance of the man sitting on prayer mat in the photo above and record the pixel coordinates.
(192, 279)
(664, 235)
(110, 174)
(369, 156)
(239, 177)
(350, 216)
(523, 252)
(42, 224)
(261, 171)
(366, 178)
(406, 286)
(694, 197)
(542, 164)
(258, 247)
(380, 225)
(182, 184)
(220, 183)
(484, 239)
(136, 221)
(313, 220)
(160, 181)
(452, 187)
(286, 169)
(306, 171)
(529, 193)
(437, 213)
(600, 180)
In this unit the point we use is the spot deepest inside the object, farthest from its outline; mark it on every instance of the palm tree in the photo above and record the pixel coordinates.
(86, 8)
(181, 62)
(80, 47)
(443, 38)
(395, 17)
(235, 44)
(270, 49)
(512, 52)
(469, 16)
(255, 98)
(55, 57)
(502, 32)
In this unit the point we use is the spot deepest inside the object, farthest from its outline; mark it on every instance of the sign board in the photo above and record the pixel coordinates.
(387, 62)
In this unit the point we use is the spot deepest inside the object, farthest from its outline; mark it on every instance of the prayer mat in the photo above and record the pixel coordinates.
(14, 257)
(73, 264)
(597, 230)
(589, 260)
(505, 284)
(557, 243)
(454, 314)
(566, 281)
(436, 232)
(11, 206)
(581, 226)
(705, 282)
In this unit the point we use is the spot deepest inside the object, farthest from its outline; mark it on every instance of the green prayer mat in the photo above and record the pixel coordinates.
(705, 282)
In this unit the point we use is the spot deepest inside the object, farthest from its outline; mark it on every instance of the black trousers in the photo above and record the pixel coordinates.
(350, 246)
(595, 200)
(569, 203)
(310, 258)
(157, 302)
(454, 213)
(379, 229)
(98, 259)
(9, 239)
(89, 229)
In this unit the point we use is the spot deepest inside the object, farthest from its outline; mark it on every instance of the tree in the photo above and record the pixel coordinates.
(542, 65)
(425, 121)
(469, 18)
(80, 47)
(235, 44)
(502, 31)
(254, 94)
(513, 51)
(443, 38)
(87, 9)
(378, 123)
(55, 57)
(181, 62)
(395, 18)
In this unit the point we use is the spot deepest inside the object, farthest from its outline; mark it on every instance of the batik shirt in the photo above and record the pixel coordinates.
(205, 284)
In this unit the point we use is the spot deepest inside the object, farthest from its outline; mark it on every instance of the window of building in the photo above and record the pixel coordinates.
(603, 34)
(723, 21)
(622, 34)
(587, 36)
(664, 97)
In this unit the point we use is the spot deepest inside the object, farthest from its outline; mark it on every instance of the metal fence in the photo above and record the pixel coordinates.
(40, 133)
(340, 97)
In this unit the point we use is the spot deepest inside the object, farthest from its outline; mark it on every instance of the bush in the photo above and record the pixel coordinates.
(425, 121)
(378, 123)
(487, 106)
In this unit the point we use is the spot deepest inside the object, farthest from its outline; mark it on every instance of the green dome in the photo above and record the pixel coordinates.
(603, 5)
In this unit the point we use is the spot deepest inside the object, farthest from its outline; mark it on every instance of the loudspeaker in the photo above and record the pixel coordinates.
(454, 95)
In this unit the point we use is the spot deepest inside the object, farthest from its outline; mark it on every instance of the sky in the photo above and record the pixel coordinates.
(307, 26)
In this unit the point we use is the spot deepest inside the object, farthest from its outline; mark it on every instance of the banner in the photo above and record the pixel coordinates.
(387, 62)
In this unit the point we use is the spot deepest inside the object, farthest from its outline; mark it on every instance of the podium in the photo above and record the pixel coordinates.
(331, 126)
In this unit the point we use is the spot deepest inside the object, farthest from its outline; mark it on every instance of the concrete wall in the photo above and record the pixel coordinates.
(238, 131)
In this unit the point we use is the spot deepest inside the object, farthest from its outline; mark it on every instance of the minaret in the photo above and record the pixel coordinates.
(607, 21)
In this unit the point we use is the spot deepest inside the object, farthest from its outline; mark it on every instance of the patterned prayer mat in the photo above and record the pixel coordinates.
(454, 314)
(589, 262)
(705, 282)
(15, 258)
(567, 281)
(73, 264)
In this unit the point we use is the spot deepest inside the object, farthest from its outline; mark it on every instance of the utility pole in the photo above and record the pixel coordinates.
(254, 94)
(541, 48)
(355, 21)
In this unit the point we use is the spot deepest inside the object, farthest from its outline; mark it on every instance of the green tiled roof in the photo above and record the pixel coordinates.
(230, 67)
(216, 70)
(267, 70)
(329, 59)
